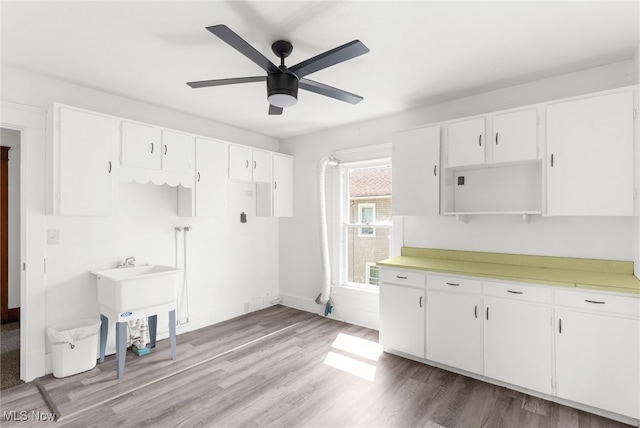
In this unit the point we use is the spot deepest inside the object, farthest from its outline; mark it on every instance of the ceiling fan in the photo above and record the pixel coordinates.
(282, 81)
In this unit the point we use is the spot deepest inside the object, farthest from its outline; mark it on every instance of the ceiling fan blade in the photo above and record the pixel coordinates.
(239, 44)
(329, 91)
(221, 82)
(275, 110)
(329, 58)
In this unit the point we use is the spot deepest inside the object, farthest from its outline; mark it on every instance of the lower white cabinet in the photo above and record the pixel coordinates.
(454, 330)
(578, 345)
(597, 356)
(517, 343)
(402, 311)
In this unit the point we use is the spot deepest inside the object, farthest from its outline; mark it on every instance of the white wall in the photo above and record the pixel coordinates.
(232, 267)
(11, 138)
(604, 238)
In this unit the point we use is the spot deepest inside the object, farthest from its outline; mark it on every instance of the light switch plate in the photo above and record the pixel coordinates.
(53, 236)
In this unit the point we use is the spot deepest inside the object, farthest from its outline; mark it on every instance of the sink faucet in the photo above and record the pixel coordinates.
(128, 262)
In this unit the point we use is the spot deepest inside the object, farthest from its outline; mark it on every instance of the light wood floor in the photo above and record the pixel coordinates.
(277, 368)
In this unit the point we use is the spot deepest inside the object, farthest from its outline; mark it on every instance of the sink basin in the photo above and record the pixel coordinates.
(129, 289)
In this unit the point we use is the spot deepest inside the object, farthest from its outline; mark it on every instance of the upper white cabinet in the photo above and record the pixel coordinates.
(466, 142)
(177, 152)
(282, 185)
(416, 172)
(209, 196)
(402, 311)
(262, 166)
(590, 156)
(149, 153)
(515, 136)
(247, 164)
(80, 161)
(139, 145)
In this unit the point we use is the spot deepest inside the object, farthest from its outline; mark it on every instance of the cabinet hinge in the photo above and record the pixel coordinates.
(45, 265)
(635, 193)
(635, 113)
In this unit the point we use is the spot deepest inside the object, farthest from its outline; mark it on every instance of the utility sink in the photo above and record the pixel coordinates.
(128, 289)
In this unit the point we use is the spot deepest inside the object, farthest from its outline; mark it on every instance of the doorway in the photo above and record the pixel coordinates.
(10, 255)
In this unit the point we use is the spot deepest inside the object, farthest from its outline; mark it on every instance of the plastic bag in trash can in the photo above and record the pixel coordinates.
(73, 331)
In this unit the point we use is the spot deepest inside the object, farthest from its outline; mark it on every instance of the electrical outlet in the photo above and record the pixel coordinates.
(53, 236)
(461, 180)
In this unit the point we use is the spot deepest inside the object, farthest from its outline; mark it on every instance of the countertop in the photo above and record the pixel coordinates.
(606, 275)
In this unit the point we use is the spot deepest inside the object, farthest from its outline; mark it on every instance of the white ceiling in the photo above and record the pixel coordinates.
(421, 52)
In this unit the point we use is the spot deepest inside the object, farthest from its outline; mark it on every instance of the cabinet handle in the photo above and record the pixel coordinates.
(109, 167)
(165, 149)
(475, 312)
(487, 313)
(255, 164)
(496, 138)
(247, 165)
(597, 302)
(514, 292)
(453, 284)
(560, 325)
(275, 184)
(401, 277)
(151, 147)
(434, 170)
(420, 301)
(480, 140)
(551, 160)
(198, 176)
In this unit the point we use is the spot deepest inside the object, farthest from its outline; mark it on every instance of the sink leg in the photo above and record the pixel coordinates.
(172, 332)
(104, 329)
(121, 347)
(153, 328)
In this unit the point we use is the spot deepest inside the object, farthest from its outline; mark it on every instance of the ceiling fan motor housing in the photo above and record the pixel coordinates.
(282, 83)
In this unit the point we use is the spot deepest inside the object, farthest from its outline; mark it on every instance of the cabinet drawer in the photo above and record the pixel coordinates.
(402, 277)
(621, 305)
(449, 283)
(519, 292)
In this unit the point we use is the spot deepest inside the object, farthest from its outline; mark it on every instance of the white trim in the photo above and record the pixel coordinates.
(31, 122)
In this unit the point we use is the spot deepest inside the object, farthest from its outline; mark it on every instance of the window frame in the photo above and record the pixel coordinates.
(362, 206)
(343, 225)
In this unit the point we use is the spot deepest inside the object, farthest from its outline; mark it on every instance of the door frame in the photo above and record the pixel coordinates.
(31, 123)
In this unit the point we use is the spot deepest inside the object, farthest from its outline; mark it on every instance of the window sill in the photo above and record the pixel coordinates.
(355, 291)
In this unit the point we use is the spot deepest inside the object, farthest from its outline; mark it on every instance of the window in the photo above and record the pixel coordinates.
(366, 215)
(366, 219)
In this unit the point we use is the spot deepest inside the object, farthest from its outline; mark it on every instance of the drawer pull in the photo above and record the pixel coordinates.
(597, 302)
(480, 140)
(560, 326)
(487, 313)
(401, 277)
(514, 292)
(453, 284)
(151, 147)
(475, 312)
(420, 301)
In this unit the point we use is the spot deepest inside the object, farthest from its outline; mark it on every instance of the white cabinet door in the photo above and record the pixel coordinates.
(590, 156)
(211, 178)
(282, 186)
(515, 136)
(86, 168)
(176, 151)
(454, 330)
(261, 166)
(240, 163)
(466, 143)
(597, 361)
(517, 343)
(416, 172)
(402, 318)
(139, 146)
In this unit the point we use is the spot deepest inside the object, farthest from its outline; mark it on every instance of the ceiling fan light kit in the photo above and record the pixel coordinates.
(283, 82)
